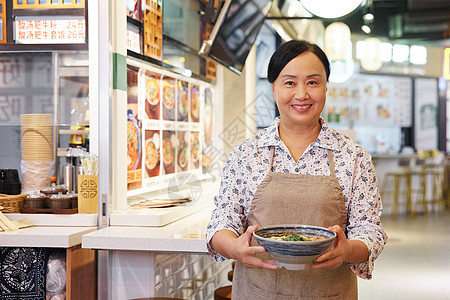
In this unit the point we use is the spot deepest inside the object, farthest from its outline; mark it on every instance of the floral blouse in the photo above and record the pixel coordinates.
(355, 171)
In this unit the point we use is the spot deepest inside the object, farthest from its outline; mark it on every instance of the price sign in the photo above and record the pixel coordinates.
(50, 30)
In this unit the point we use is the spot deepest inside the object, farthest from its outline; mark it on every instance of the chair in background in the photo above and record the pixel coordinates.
(432, 180)
(398, 185)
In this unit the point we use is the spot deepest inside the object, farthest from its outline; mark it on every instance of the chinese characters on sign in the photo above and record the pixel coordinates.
(50, 31)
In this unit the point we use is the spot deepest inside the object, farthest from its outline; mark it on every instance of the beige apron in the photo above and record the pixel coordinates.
(284, 198)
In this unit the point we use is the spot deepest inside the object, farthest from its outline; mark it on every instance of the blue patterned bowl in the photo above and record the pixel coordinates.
(294, 255)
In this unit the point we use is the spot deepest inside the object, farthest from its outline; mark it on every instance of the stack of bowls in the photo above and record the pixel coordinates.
(37, 151)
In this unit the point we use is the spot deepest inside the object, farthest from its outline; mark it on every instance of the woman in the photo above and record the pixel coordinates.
(298, 171)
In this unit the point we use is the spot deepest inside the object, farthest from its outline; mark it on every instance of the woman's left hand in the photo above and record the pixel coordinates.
(333, 258)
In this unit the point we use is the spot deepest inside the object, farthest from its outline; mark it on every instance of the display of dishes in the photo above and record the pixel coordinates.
(195, 107)
(133, 143)
(183, 158)
(152, 90)
(183, 104)
(151, 155)
(168, 153)
(168, 95)
(294, 255)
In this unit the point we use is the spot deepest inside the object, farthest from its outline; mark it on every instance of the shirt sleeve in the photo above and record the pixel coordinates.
(364, 211)
(229, 210)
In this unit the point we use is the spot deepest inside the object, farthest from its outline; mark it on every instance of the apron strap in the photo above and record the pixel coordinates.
(331, 163)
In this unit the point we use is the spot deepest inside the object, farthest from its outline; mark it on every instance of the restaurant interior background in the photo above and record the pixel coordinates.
(189, 81)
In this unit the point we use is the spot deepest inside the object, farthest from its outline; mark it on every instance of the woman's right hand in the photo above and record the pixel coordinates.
(226, 243)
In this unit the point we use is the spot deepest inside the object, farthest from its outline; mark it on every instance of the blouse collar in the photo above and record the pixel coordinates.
(327, 138)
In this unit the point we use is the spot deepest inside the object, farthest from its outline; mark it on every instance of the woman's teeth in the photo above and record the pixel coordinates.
(301, 106)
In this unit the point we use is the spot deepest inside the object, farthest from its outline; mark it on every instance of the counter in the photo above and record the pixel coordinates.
(46, 237)
(184, 235)
(165, 261)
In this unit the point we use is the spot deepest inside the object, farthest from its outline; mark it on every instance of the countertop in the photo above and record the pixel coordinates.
(42, 236)
(184, 235)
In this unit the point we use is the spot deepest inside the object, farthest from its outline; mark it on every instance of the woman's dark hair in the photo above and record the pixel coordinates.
(290, 50)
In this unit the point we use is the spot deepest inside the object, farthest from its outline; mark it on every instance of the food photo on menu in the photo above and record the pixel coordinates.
(152, 95)
(195, 105)
(183, 101)
(195, 150)
(168, 151)
(168, 90)
(152, 157)
(134, 129)
(183, 151)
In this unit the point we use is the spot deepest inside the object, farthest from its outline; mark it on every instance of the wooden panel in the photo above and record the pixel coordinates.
(47, 4)
(81, 280)
(153, 29)
(3, 21)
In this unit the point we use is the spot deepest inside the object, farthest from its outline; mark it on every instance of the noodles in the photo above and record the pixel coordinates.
(294, 237)
(132, 144)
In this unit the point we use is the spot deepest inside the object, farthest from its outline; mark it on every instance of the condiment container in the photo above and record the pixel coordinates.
(54, 190)
(59, 201)
(35, 200)
(74, 200)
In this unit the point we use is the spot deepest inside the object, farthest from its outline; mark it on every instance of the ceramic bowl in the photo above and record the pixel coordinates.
(294, 255)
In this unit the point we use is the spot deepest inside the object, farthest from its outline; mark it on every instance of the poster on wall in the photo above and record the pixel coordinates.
(168, 93)
(426, 114)
(134, 129)
(371, 100)
(152, 95)
(171, 122)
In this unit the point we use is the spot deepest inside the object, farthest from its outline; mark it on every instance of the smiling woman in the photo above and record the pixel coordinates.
(332, 184)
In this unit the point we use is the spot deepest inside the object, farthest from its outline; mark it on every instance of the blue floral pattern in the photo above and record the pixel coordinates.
(248, 165)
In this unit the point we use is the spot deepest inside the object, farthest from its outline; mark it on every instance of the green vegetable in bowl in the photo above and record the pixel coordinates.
(293, 237)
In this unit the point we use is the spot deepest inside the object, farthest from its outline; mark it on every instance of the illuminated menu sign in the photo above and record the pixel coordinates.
(447, 64)
(50, 30)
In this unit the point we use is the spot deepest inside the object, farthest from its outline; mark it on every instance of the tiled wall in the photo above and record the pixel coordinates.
(189, 276)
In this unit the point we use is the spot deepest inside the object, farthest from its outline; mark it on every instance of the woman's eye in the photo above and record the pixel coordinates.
(289, 83)
(312, 82)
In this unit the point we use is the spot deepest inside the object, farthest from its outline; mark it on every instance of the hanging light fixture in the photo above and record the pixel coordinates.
(337, 38)
(330, 9)
(370, 59)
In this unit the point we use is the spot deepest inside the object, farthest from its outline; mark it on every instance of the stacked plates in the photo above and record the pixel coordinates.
(37, 137)
(37, 151)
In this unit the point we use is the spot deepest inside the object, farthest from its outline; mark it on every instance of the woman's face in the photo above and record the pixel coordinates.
(300, 91)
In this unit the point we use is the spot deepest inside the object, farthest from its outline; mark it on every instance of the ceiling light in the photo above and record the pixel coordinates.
(366, 29)
(368, 17)
(400, 53)
(418, 55)
(330, 9)
(337, 38)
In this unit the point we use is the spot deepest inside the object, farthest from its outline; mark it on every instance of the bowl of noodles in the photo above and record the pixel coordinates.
(294, 247)
(152, 155)
(133, 143)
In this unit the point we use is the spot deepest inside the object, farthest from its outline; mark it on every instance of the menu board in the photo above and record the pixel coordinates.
(426, 113)
(169, 125)
(371, 100)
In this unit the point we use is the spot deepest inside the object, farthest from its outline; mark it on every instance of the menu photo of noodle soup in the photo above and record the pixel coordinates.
(195, 105)
(168, 151)
(152, 152)
(152, 95)
(207, 136)
(168, 97)
(183, 151)
(195, 150)
(182, 101)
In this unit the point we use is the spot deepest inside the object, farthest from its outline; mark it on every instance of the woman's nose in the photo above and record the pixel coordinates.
(301, 91)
